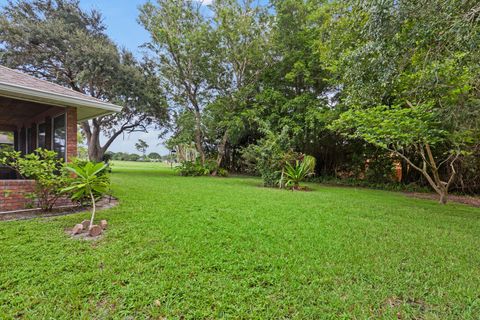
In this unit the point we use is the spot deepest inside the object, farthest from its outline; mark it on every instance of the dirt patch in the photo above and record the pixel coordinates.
(468, 200)
(104, 203)
(83, 235)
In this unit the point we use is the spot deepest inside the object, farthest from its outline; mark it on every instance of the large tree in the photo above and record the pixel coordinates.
(409, 73)
(242, 33)
(58, 41)
(182, 43)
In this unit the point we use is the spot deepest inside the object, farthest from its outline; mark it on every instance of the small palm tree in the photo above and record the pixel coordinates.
(88, 182)
(297, 173)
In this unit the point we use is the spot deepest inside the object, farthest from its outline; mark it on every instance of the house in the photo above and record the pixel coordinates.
(35, 113)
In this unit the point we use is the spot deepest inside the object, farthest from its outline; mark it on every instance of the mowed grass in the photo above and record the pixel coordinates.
(206, 247)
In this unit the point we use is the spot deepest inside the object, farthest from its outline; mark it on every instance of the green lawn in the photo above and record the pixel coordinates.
(227, 248)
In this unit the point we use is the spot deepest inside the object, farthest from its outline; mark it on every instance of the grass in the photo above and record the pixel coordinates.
(182, 247)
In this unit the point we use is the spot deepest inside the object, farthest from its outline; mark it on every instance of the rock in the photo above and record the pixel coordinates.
(95, 230)
(103, 224)
(77, 229)
(86, 224)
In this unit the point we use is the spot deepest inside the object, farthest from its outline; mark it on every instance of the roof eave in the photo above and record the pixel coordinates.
(56, 99)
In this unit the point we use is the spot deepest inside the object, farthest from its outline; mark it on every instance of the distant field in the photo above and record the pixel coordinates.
(205, 247)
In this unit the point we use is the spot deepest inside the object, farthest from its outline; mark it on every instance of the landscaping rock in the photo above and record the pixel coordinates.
(86, 224)
(95, 231)
(103, 224)
(77, 229)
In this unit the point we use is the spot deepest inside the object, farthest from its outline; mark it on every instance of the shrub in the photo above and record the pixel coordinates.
(299, 171)
(195, 168)
(268, 157)
(43, 166)
(89, 181)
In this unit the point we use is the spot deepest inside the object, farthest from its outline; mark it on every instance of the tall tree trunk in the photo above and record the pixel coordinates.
(92, 133)
(199, 135)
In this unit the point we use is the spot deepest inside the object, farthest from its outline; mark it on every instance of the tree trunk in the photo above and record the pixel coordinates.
(93, 210)
(221, 152)
(443, 197)
(199, 136)
(95, 151)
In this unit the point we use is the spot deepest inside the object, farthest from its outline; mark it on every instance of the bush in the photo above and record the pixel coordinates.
(89, 181)
(196, 169)
(269, 156)
(43, 166)
(299, 171)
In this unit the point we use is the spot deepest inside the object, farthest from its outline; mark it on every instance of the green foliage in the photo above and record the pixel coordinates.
(393, 127)
(154, 156)
(268, 156)
(88, 182)
(196, 169)
(45, 168)
(299, 171)
(141, 146)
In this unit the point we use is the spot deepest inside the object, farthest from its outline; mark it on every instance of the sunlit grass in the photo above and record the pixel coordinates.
(226, 247)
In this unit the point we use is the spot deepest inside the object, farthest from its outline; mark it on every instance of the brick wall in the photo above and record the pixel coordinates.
(14, 195)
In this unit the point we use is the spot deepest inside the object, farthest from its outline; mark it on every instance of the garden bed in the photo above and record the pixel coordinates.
(468, 200)
(105, 203)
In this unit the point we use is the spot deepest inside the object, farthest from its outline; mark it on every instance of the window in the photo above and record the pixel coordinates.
(42, 128)
(59, 135)
(7, 139)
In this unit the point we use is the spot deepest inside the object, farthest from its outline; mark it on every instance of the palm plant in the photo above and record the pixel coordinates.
(298, 172)
(88, 182)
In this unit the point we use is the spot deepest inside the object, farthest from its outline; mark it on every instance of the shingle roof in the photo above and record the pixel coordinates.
(15, 77)
(17, 85)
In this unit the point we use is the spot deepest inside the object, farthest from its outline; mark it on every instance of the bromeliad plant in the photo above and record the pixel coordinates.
(89, 182)
(299, 172)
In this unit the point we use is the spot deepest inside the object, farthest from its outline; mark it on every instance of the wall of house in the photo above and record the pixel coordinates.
(46, 117)
(16, 195)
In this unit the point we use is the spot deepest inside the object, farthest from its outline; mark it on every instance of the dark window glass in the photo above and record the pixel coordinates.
(28, 140)
(41, 135)
(59, 135)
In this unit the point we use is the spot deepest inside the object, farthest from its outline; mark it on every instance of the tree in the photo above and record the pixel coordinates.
(241, 29)
(182, 44)
(407, 132)
(141, 146)
(409, 73)
(132, 157)
(154, 156)
(88, 181)
(58, 41)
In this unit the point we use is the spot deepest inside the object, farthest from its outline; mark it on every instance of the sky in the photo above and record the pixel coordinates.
(120, 17)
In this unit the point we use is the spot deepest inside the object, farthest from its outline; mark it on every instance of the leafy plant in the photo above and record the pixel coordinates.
(196, 168)
(300, 171)
(43, 166)
(88, 182)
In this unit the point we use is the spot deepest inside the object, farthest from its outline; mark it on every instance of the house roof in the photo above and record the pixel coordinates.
(21, 86)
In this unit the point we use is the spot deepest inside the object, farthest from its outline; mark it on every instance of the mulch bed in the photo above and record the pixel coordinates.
(104, 203)
(468, 200)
